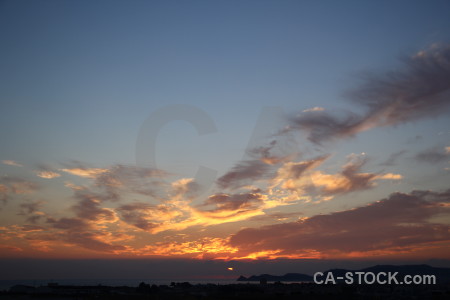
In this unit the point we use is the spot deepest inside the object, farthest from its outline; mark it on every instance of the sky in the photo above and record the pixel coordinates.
(259, 134)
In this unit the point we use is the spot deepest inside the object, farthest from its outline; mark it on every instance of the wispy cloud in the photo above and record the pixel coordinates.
(244, 173)
(85, 172)
(247, 172)
(15, 186)
(315, 108)
(302, 177)
(3, 194)
(398, 223)
(11, 163)
(47, 174)
(294, 175)
(433, 155)
(81, 232)
(89, 208)
(393, 158)
(151, 218)
(236, 202)
(421, 90)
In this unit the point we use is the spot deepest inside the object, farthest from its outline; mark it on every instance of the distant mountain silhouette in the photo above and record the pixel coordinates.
(442, 274)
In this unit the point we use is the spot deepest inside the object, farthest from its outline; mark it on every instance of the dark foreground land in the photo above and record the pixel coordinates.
(231, 291)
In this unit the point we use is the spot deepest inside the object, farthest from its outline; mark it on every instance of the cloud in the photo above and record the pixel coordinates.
(47, 174)
(85, 172)
(315, 108)
(119, 175)
(433, 155)
(18, 185)
(88, 208)
(393, 158)
(185, 187)
(32, 211)
(146, 216)
(421, 90)
(399, 223)
(140, 180)
(80, 232)
(300, 177)
(69, 223)
(390, 176)
(11, 163)
(3, 193)
(178, 214)
(295, 175)
(92, 241)
(204, 248)
(244, 173)
(263, 153)
(32, 228)
(236, 202)
(348, 180)
(114, 182)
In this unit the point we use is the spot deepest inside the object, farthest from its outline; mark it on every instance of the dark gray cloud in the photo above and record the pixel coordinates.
(355, 179)
(15, 186)
(80, 232)
(244, 173)
(118, 178)
(140, 180)
(3, 194)
(402, 220)
(141, 215)
(18, 185)
(29, 228)
(322, 125)
(91, 241)
(89, 208)
(393, 158)
(77, 224)
(29, 209)
(234, 202)
(421, 90)
(277, 216)
(398, 222)
(433, 155)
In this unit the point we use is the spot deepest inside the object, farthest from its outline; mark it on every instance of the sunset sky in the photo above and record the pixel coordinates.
(204, 132)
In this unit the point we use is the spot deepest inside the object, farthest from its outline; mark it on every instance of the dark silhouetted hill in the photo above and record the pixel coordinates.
(442, 274)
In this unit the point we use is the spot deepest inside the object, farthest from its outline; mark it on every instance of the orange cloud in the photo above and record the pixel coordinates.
(205, 247)
(85, 172)
(389, 176)
(47, 174)
(398, 223)
(11, 163)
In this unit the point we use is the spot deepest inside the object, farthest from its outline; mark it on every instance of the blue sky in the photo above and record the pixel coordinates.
(80, 79)
(72, 72)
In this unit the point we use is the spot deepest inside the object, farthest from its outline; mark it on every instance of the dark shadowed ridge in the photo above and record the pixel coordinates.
(442, 274)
